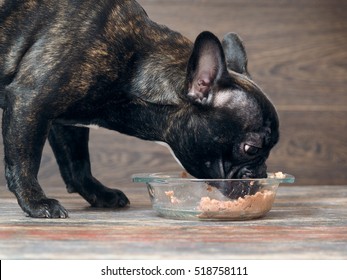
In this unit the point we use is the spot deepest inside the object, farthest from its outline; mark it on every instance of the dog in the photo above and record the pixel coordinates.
(66, 65)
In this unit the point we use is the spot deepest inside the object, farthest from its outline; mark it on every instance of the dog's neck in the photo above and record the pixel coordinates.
(141, 119)
(160, 68)
(156, 89)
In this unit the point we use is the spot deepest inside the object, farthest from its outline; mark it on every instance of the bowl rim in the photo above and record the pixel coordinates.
(171, 177)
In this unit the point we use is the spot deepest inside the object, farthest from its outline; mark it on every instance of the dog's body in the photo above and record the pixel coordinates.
(67, 63)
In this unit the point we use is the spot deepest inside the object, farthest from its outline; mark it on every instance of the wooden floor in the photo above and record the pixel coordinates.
(305, 223)
(297, 54)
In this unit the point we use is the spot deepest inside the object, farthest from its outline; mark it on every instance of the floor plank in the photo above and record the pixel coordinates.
(305, 223)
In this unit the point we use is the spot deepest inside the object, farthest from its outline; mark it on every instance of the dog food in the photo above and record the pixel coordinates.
(277, 175)
(172, 197)
(249, 205)
(260, 202)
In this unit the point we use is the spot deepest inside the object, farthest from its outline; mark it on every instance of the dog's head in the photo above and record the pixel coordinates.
(229, 126)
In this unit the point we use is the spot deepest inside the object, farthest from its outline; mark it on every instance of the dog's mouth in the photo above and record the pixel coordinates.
(243, 186)
(227, 171)
(236, 189)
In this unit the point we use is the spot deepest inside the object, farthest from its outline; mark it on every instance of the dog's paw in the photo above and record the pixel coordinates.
(46, 208)
(109, 198)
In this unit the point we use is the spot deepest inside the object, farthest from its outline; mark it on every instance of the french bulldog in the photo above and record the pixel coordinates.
(65, 65)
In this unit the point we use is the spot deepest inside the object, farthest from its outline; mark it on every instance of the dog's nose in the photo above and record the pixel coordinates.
(252, 172)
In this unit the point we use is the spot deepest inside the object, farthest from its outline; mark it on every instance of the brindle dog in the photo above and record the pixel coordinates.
(85, 62)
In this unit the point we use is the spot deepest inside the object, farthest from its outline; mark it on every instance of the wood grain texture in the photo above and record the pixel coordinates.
(297, 54)
(305, 223)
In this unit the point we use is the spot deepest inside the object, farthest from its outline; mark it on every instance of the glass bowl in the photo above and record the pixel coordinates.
(179, 196)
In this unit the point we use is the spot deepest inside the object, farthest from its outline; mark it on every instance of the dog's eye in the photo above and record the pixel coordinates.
(251, 150)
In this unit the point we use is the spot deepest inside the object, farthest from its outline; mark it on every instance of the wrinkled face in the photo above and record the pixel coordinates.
(229, 142)
(232, 125)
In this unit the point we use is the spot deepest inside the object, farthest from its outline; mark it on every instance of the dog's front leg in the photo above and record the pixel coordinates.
(70, 146)
(24, 132)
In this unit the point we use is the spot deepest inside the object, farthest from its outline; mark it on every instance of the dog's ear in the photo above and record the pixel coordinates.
(206, 67)
(235, 53)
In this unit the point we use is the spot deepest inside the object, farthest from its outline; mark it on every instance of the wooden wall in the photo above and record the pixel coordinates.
(297, 53)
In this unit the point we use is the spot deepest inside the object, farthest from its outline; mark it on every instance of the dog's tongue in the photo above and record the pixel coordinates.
(236, 189)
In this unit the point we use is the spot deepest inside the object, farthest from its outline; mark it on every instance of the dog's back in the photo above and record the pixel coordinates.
(55, 35)
(81, 41)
